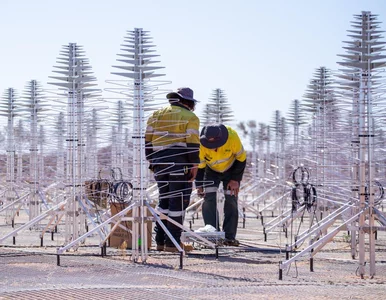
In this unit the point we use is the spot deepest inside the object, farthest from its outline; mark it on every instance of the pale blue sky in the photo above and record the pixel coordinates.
(261, 53)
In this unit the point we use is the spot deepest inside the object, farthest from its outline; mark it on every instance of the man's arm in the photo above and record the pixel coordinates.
(193, 145)
(238, 167)
(201, 174)
(148, 138)
(237, 170)
(200, 181)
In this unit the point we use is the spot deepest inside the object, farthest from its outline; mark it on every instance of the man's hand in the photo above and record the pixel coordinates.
(234, 187)
(193, 173)
(200, 192)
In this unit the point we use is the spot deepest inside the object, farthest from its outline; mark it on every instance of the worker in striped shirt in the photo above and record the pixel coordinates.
(172, 148)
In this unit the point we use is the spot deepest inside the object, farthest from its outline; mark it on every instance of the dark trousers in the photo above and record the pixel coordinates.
(174, 197)
(212, 181)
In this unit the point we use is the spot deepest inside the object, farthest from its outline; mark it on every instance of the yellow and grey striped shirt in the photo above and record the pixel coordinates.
(222, 158)
(173, 127)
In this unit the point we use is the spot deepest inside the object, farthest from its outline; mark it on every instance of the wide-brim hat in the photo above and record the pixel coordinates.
(214, 136)
(184, 92)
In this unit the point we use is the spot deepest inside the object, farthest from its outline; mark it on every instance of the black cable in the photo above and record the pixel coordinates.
(300, 177)
(122, 191)
(294, 198)
(377, 198)
(309, 196)
(304, 175)
(300, 223)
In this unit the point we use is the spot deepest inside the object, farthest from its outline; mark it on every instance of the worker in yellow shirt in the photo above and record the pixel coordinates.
(172, 146)
(222, 159)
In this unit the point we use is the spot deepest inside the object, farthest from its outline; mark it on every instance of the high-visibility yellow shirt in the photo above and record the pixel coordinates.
(172, 126)
(222, 158)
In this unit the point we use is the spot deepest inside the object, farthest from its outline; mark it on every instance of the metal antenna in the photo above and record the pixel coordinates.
(75, 81)
(319, 100)
(119, 119)
(277, 131)
(363, 62)
(296, 118)
(361, 96)
(283, 138)
(114, 151)
(20, 138)
(252, 134)
(60, 131)
(261, 138)
(33, 102)
(218, 110)
(280, 130)
(139, 68)
(92, 145)
(270, 188)
(127, 155)
(268, 151)
(251, 186)
(206, 115)
(8, 110)
(139, 92)
(41, 143)
(75, 85)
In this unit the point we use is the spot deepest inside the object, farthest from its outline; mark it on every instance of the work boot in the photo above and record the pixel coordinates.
(233, 243)
(160, 247)
(185, 247)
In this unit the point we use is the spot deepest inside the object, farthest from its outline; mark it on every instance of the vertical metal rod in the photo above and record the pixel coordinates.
(370, 147)
(311, 264)
(244, 216)
(280, 272)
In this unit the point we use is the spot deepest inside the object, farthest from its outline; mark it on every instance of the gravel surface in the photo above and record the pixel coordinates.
(251, 271)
